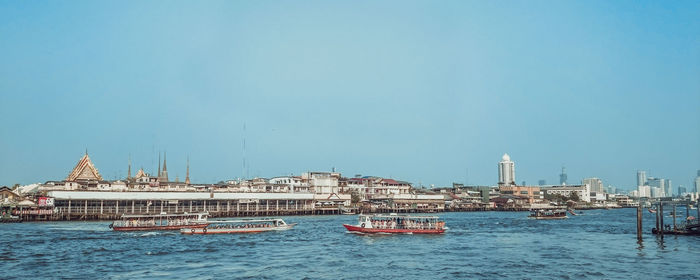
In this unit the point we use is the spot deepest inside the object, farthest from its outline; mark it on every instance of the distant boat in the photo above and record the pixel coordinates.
(393, 223)
(161, 221)
(547, 214)
(240, 226)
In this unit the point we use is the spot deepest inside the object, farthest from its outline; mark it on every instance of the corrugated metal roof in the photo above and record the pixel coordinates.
(83, 195)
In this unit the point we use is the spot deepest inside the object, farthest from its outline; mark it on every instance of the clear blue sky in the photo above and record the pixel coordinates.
(421, 91)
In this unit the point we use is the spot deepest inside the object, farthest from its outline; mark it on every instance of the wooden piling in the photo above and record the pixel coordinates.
(639, 222)
(657, 218)
(674, 216)
(661, 219)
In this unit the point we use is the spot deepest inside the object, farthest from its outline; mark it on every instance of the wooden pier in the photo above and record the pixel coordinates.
(690, 226)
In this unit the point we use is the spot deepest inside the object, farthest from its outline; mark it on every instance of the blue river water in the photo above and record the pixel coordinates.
(601, 244)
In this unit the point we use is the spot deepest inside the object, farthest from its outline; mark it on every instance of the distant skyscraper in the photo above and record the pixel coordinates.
(562, 176)
(641, 178)
(682, 190)
(644, 191)
(668, 190)
(595, 184)
(542, 182)
(657, 183)
(506, 171)
(697, 182)
(610, 189)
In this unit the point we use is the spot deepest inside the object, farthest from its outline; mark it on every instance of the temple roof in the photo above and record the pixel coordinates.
(84, 170)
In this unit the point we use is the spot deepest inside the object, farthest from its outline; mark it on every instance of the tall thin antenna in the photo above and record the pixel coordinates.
(466, 177)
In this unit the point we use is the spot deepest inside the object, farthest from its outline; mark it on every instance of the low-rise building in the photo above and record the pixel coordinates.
(582, 191)
(532, 193)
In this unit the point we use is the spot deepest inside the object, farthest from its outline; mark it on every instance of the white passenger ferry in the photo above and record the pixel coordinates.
(240, 226)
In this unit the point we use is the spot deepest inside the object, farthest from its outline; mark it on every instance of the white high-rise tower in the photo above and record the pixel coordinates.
(506, 171)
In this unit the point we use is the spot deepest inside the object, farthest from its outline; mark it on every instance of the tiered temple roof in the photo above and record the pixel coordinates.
(84, 170)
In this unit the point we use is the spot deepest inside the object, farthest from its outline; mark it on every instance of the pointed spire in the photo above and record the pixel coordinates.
(165, 161)
(187, 177)
(128, 174)
(158, 165)
(164, 173)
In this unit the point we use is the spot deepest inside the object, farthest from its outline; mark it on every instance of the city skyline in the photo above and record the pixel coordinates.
(429, 93)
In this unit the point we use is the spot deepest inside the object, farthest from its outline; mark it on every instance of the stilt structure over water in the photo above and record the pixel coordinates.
(690, 225)
(91, 205)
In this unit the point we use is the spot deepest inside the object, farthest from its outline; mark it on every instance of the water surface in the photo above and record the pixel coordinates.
(479, 245)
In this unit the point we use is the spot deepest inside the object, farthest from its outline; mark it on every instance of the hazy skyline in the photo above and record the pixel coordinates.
(427, 92)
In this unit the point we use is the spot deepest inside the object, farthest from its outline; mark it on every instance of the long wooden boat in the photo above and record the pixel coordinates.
(547, 214)
(393, 223)
(162, 221)
(240, 226)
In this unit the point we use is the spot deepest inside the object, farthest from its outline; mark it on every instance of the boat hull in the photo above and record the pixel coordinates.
(233, 230)
(389, 230)
(150, 228)
(549, 218)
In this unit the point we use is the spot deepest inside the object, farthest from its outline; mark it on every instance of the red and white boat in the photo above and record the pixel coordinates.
(240, 226)
(393, 223)
(161, 221)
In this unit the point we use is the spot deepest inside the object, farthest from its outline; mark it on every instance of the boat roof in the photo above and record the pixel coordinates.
(165, 215)
(245, 220)
(393, 215)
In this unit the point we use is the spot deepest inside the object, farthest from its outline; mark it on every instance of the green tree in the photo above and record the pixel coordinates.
(354, 197)
(574, 196)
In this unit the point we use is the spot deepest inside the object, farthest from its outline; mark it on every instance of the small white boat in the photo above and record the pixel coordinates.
(240, 226)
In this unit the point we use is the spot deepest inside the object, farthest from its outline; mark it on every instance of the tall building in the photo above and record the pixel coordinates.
(644, 191)
(682, 190)
(595, 183)
(641, 178)
(657, 183)
(542, 182)
(506, 171)
(668, 190)
(697, 182)
(562, 176)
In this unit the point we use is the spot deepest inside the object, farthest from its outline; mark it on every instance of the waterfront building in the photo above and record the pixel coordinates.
(506, 171)
(8, 196)
(596, 187)
(532, 194)
(582, 191)
(563, 177)
(322, 182)
(294, 183)
(624, 201)
(641, 178)
(369, 187)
